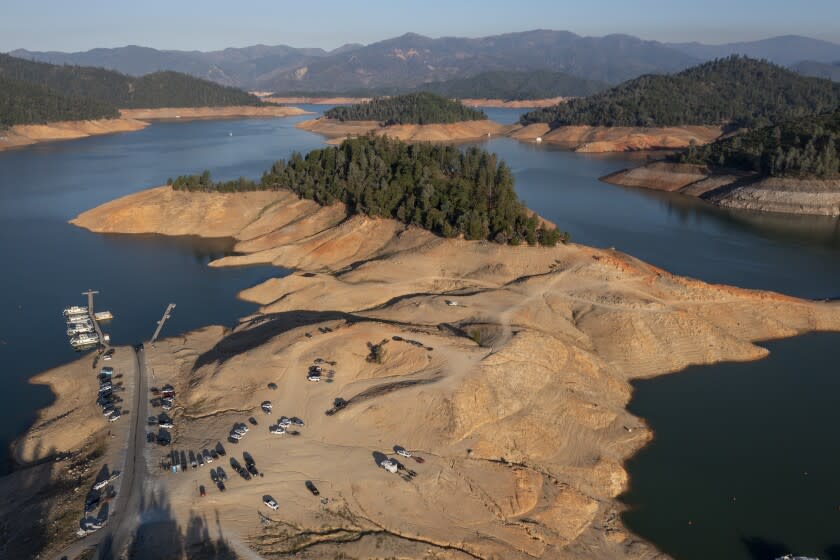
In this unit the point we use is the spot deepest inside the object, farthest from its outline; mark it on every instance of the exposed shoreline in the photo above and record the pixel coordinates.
(736, 189)
(600, 139)
(466, 131)
(577, 324)
(197, 113)
(22, 135)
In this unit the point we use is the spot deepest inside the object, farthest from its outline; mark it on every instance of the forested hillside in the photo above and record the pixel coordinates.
(510, 85)
(412, 108)
(437, 187)
(24, 103)
(808, 147)
(161, 89)
(737, 91)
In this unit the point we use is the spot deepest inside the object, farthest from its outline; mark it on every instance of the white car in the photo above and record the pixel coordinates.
(284, 421)
(106, 357)
(115, 416)
(236, 436)
(389, 465)
(314, 378)
(279, 430)
(165, 424)
(269, 501)
(402, 451)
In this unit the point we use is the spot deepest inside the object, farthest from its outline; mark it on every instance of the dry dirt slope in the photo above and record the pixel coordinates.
(516, 395)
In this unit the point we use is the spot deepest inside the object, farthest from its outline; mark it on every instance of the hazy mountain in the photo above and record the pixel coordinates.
(818, 69)
(503, 84)
(413, 59)
(400, 62)
(785, 50)
(241, 67)
(404, 62)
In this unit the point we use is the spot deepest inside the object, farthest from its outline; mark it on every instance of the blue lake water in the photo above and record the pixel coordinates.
(775, 414)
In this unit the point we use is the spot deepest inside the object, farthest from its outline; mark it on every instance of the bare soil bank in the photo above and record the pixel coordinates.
(28, 134)
(736, 189)
(337, 131)
(191, 113)
(515, 395)
(131, 120)
(617, 139)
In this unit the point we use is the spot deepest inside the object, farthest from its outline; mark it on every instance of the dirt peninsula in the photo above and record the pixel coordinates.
(736, 189)
(336, 131)
(597, 139)
(507, 368)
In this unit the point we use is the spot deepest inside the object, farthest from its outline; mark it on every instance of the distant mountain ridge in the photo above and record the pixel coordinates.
(405, 62)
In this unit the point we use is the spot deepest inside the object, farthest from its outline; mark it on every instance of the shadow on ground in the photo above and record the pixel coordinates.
(160, 537)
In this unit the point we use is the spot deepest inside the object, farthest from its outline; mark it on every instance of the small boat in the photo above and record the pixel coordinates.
(103, 315)
(75, 310)
(84, 339)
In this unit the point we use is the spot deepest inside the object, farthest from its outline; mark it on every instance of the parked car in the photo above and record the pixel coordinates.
(152, 420)
(115, 416)
(270, 502)
(220, 449)
(252, 420)
(312, 488)
(221, 473)
(399, 450)
(208, 457)
(296, 421)
(201, 491)
(221, 486)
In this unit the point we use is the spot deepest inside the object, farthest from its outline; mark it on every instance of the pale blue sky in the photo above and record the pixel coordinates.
(71, 25)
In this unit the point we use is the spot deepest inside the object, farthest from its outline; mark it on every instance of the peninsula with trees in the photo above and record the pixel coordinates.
(41, 101)
(697, 105)
(435, 187)
(422, 116)
(791, 166)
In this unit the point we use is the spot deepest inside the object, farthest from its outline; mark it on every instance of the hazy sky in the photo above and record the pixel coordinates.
(71, 25)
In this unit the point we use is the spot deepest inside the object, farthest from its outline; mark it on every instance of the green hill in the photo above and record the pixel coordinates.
(160, 89)
(736, 91)
(412, 108)
(436, 187)
(807, 147)
(24, 103)
(515, 86)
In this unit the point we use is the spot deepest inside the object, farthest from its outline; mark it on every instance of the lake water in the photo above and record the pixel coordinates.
(775, 415)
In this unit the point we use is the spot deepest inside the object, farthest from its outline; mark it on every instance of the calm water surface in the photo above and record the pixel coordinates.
(743, 431)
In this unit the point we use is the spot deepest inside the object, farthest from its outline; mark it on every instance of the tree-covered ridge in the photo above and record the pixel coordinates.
(436, 187)
(736, 91)
(160, 89)
(808, 147)
(515, 86)
(412, 108)
(24, 103)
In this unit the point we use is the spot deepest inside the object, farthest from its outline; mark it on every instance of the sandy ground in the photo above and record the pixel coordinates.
(736, 189)
(64, 451)
(25, 135)
(617, 139)
(515, 396)
(465, 131)
(191, 113)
